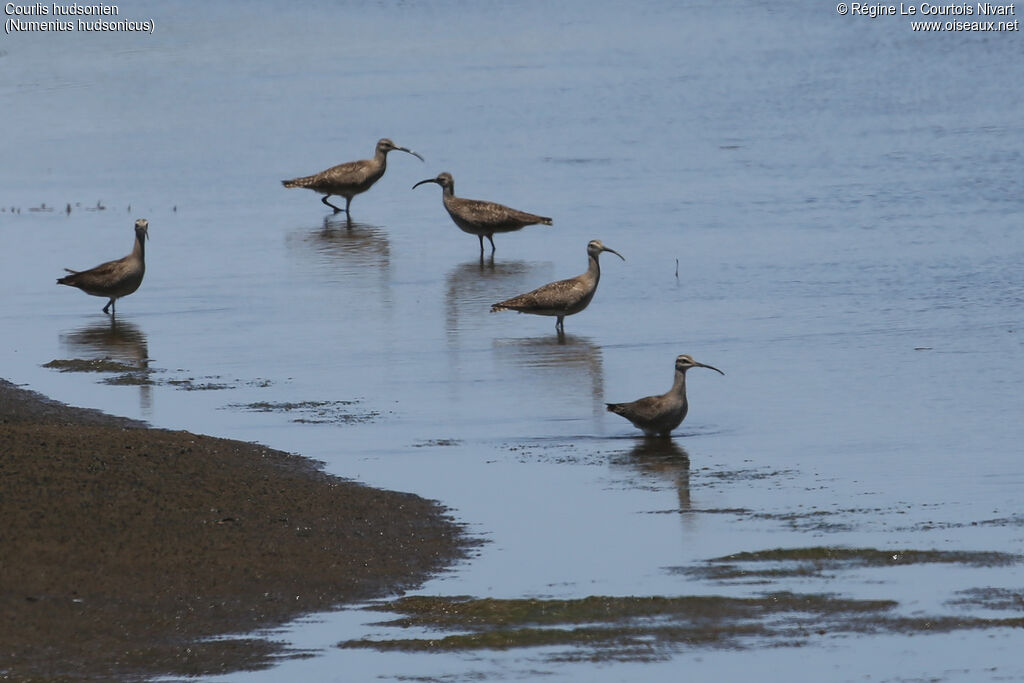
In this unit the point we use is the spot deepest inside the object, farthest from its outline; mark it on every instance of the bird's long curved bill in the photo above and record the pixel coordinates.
(621, 257)
(428, 180)
(709, 367)
(405, 149)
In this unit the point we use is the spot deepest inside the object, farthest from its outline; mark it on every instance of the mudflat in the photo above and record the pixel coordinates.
(123, 549)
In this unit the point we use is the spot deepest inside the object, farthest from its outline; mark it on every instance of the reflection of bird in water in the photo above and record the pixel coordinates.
(664, 459)
(564, 363)
(659, 415)
(472, 285)
(119, 340)
(351, 178)
(564, 297)
(114, 279)
(481, 218)
(359, 244)
(357, 255)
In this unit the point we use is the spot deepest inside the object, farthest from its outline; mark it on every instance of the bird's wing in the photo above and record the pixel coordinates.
(645, 405)
(110, 270)
(560, 295)
(493, 215)
(354, 172)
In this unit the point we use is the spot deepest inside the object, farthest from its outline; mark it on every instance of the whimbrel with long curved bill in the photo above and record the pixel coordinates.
(564, 297)
(352, 178)
(114, 279)
(659, 415)
(481, 218)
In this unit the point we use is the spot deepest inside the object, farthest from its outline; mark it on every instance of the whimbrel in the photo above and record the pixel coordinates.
(114, 279)
(564, 297)
(659, 415)
(480, 218)
(352, 178)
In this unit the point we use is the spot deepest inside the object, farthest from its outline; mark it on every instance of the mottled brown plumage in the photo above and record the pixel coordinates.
(114, 279)
(564, 297)
(352, 178)
(481, 218)
(659, 415)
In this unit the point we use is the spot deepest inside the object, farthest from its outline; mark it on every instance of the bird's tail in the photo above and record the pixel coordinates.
(544, 220)
(67, 279)
(613, 407)
(298, 182)
(499, 307)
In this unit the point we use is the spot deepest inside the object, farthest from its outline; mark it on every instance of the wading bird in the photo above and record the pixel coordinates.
(114, 279)
(481, 218)
(659, 415)
(352, 178)
(564, 297)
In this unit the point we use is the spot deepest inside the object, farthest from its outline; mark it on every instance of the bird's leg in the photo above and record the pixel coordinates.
(489, 239)
(324, 200)
(481, 237)
(559, 327)
(109, 304)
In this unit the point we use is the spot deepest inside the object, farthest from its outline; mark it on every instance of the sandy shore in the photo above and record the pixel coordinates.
(123, 546)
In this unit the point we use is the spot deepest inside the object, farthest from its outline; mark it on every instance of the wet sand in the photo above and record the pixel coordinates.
(123, 547)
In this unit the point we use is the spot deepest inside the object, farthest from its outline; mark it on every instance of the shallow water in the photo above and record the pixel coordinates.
(842, 197)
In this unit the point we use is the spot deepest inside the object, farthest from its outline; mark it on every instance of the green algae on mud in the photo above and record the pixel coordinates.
(140, 374)
(315, 412)
(814, 561)
(461, 610)
(617, 628)
(991, 598)
(89, 365)
(602, 628)
(873, 557)
(642, 628)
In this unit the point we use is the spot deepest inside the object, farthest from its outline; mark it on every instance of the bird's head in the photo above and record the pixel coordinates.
(685, 362)
(385, 145)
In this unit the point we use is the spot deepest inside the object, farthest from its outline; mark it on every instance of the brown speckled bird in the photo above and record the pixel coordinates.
(352, 178)
(564, 297)
(659, 415)
(481, 218)
(114, 279)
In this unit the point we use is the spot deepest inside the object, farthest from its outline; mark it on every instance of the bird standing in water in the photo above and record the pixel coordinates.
(481, 218)
(564, 297)
(349, 179)
(659, 415)
(114, 279)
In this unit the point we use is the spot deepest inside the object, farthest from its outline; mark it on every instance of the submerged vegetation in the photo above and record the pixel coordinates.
(616, 627)
(816, 561)
(138, 373)
(315, 412)
(89, 365)
(653, 627)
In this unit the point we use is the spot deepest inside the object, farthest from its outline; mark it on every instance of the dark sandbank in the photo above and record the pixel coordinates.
(123, 549)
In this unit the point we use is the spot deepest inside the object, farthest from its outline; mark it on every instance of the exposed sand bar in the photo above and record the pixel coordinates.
(122, 546)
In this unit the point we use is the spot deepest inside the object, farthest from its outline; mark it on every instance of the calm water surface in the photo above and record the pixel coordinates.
(842, 198)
